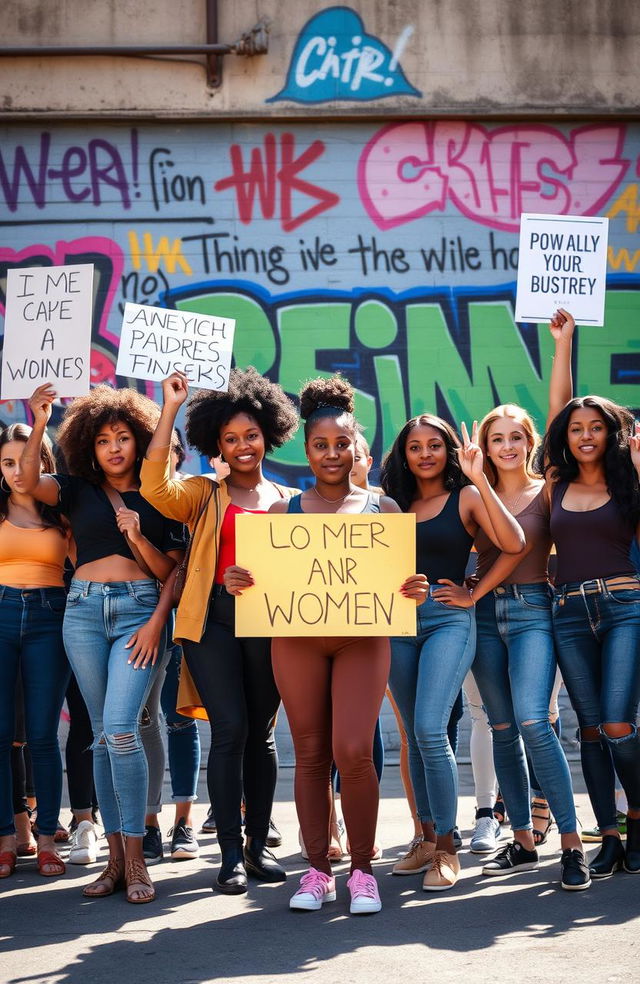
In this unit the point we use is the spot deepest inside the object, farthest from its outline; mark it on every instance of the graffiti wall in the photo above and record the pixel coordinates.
(388, 252)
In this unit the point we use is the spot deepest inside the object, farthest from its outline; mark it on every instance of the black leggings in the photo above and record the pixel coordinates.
(78, 754)
(235, 682)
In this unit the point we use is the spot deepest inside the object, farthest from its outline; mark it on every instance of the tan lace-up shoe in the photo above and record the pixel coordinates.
(417, 858)
(443, 872)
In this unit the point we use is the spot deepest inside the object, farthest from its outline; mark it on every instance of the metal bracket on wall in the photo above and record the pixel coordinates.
(252, 42)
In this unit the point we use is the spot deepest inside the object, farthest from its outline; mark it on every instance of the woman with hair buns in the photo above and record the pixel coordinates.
(233, 676)
(332, 688)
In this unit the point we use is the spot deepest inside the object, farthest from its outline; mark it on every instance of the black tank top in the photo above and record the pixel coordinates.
(590, 544)
(443, 544)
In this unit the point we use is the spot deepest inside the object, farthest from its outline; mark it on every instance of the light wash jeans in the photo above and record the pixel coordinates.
(515, 669)
(426, 676)
(99, 621)
(597, 635)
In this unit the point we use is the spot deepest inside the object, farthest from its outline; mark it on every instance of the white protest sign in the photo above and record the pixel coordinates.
(158, 341)
(47, 330)
(562, 264)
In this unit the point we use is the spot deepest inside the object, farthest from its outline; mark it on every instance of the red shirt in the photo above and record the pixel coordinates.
(227, 547)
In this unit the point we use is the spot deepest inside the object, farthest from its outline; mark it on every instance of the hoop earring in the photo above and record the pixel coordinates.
(404, 464)
(221, 456)
(564, 456)
(94, 466)
(7, 490)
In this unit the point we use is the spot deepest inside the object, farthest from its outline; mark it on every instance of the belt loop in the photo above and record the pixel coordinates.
(85, 589)
(1, 591)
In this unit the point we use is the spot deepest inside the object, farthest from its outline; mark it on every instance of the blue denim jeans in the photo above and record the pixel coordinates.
(99, 621)
(515, 669)
(31, 647)
(597, 633)
(426, 678)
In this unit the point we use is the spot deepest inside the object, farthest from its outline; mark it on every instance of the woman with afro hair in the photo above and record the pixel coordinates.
(114, 623)
(233, 676)
(332, 688)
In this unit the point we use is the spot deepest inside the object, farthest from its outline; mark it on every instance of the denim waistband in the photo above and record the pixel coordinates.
(112, 587)
(597, 585)
(31, 594)
(515, 590)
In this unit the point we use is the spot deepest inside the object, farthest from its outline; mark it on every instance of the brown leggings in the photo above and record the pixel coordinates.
(332, 689)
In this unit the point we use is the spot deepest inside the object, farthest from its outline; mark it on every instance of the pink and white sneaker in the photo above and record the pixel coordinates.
(364, 893)
(315, 888)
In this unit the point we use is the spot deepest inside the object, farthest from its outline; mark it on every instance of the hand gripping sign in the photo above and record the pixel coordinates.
(326, 575)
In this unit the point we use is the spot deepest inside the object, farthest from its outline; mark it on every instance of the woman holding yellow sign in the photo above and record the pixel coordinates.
(332, 687)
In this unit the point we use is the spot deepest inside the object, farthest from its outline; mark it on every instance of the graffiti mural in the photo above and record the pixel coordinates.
(335, 58)
(388, 252)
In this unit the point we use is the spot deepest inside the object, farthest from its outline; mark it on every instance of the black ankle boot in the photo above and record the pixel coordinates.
(609, 858)
(632, 854)
(261, 863)
(232, 877)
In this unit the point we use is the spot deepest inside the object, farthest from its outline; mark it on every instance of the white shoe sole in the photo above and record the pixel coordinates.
(483, 850)
(528, 866)
(364, 909)
(438, 888)
(181, 854)
(81, 857)
(311, 905)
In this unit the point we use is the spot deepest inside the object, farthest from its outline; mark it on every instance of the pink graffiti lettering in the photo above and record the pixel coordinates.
(408, 170)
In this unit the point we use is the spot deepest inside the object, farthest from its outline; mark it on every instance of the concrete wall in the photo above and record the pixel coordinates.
(458, 57)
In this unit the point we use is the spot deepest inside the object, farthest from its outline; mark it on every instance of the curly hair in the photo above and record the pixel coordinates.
(526, 422)
(332, 397)
(249, 392)
(20, 432)
(397, 479)
(620, 475)
(87, 415)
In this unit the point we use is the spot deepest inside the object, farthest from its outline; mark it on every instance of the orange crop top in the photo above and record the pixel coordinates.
(31, 557)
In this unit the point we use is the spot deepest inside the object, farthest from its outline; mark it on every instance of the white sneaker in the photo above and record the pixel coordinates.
(84, 845)
(364, 894)
(486, 836)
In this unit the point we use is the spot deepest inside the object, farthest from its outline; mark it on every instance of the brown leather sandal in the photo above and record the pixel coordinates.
(137, 879)
(112, 876)
(7, 860)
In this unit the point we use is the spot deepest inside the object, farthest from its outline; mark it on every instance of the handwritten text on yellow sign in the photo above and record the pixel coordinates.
(326, 575)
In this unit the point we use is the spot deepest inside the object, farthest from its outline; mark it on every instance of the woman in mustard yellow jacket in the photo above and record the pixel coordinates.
(233, 676)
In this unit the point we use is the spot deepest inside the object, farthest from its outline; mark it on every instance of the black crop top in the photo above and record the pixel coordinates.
(443, 544)
(93, 521)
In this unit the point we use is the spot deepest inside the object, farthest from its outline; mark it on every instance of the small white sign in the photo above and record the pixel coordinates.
(155, 342)
(562, 264)
(47, 330)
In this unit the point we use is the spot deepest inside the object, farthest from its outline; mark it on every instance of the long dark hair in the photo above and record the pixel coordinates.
(396, 478)
(20, 432)
(619, 473)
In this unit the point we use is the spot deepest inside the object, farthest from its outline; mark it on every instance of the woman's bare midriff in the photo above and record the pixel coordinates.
(110, 569)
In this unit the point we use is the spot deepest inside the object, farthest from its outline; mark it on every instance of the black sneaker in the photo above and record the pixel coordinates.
(209, 825)
(183, 842)
(152, 845)
(513, 857)
(274, 837)
(575, 871)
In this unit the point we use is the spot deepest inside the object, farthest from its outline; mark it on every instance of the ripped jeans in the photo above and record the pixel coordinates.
(515, 669)
(597, 633)
(99, 621)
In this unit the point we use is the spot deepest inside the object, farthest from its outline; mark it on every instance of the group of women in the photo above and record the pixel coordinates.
(118, 511)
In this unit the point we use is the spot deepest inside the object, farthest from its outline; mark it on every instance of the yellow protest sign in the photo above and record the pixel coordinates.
(326, 575)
